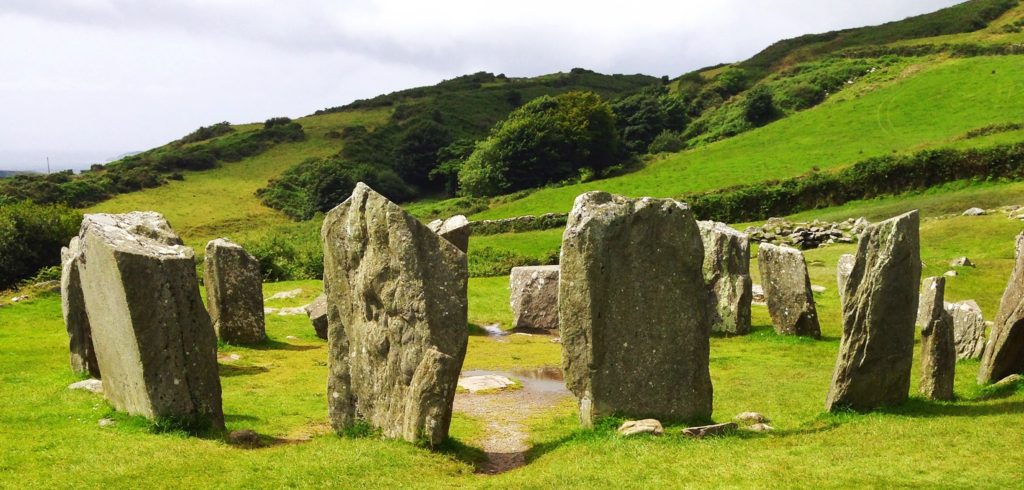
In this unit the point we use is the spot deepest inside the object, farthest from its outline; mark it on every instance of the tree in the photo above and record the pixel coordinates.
(760, 106)
(547, 140)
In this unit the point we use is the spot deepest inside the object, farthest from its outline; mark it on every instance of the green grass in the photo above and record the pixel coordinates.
(925, 105)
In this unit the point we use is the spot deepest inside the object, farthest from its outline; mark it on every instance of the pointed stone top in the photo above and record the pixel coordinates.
(720, 228)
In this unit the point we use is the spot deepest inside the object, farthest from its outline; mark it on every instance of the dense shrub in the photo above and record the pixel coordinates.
(288, 255)
(667, 142)
(31, 236)
(641, 117)
(207, 132)
(547, 140)
(491, 262)
(759, 108)
(863, 180)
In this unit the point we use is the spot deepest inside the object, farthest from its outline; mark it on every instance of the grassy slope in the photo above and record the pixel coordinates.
(222, 201)
(926, 104)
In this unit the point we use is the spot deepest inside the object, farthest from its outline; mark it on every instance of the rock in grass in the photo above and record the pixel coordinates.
(968, 329)
(76, 320)
(317, 312)
(633, 309)
(294, 293)
(534, 297)
(727, 275)
(938, 352)
(974, 212)
(234, 293)
(93, 385)
(710, 430)
(455, 229)
(1004, 353)
(750, 418)
(397, 333)
(154, 341)
(877, 349)
(761, 427)
(961, 262)
(843, 270)
(635, 427)
(787, 290)
(488, 382)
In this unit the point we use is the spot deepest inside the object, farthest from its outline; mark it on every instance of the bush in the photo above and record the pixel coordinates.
(547, 140)
(491, 262)
(759, 108)
(289, 254)
(31, 236)
(207, 132)
(667, 142)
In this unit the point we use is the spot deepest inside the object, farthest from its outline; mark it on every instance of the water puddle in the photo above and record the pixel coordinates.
(534, 380)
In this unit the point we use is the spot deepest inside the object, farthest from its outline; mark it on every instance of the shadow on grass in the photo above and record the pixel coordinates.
(271, 344)
(463, 452)
(227, 370)
(918, 407)
(232, 417)
(766, 333)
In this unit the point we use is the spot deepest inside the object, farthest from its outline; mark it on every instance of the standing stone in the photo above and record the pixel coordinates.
(396, 309)
(633, 309)
(968, 329)
(234, 293)
(877, 349)
(938, 354)
(727, 275)
(843, 270)
(455, 229)
(72, 302)
(154, 341)
(317, 312)
(787, 290)
(1004, 353)
(534, 297)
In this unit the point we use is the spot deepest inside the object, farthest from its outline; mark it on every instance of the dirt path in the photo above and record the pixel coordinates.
(506, 414)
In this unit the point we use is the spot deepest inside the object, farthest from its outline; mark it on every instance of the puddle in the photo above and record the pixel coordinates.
(494, 330)
(542, 380)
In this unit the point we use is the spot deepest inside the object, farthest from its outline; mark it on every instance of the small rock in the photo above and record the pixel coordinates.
(974, 212)
(485, 383)
(646, 426)
(758, 294)
(1009, 380)
(961, 262)
(19, 298)
(818, 289)
(294, 293)
(951, 274)
(750, 417)
(93, 385)
(270, 311)
(710, 430)
(556, 340)
(244, 437)
(298, 310)
(761, 428)
(47, 286)
(107, 423)
(229, 357)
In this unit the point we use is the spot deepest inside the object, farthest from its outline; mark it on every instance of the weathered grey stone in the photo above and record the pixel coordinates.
(455, 229)
(1004, 352)
(787, 290)
(750, 418)
(76, 320)
(93, 385)
(761, 427)
(938, 353)
(317, 311)
(635, 427)
(727, 275)
(633, 309)
(710, 430)
(843, 270)
(396, 309)
(974, 212)
(291, 294)
(154, 341)
(968, 329)
(487, 382)
(757, 294)
(534, 297)
(877, 349)
(961, 262)
(234, 293)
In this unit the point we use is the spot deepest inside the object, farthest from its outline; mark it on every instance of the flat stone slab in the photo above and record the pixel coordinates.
(93, 385)
(636, 427)
(294, 293)
(489, 382)
(710, 430)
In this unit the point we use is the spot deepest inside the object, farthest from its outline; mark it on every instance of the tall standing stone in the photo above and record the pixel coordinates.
(455, 229)
(396, 308)
(968, 329)
(534, 297)
(234, 293)
(72, 302)
(1004, 352)
(787, 290)
(727, 275)
(879, 311)
(633, 309)
(843, 270)
(154, 341)
(938, 353)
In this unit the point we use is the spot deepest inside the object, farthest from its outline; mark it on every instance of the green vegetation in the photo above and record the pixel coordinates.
(31, 236)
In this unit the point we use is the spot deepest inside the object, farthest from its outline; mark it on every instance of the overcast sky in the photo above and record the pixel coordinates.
(85, 80)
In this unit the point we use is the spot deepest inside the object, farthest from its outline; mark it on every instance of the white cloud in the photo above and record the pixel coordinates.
(88, 77)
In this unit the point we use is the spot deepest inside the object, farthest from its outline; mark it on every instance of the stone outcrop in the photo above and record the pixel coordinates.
(76, 321)
(455, 229)
(879, 311)
(779, 231)
(938, 354)
(234, 293)
(317, 312)
(154, 341)
(633, 309)
(843, 270)
(534, 297)
(787, 290)
(968, 329)
(727, 276)
(1004, 352)
(396, 296)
